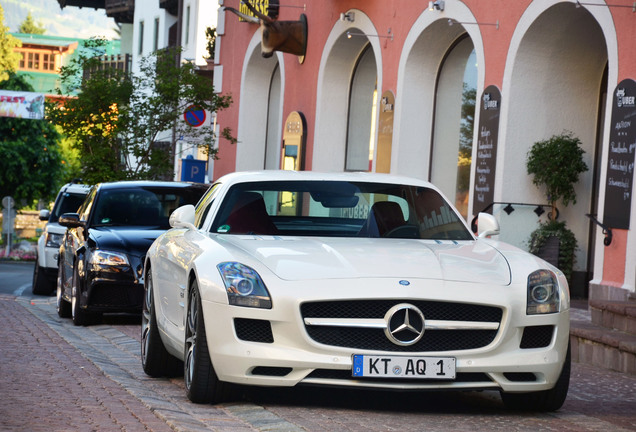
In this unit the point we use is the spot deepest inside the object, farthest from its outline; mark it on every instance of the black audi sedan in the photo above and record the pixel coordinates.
(102, 254)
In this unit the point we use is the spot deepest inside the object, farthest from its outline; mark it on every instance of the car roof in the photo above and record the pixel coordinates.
(76, 188)
(283, 175)
(149, 183)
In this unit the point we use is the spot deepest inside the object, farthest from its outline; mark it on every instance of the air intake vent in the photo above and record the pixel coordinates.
(252, 330)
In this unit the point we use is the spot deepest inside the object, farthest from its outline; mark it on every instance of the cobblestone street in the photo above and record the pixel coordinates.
(58, 377)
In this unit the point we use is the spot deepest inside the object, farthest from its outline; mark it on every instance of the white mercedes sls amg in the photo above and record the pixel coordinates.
(281, 278)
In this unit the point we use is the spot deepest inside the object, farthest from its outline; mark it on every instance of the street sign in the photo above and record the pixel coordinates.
(194, 116)
(8, 202)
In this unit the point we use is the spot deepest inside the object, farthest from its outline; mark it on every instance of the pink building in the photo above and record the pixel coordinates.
(455, 92)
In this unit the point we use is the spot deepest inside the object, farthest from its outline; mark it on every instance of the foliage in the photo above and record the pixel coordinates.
(464, 157)
(556, 164)
(9, 59)
(29, 26)
(210, 36)
(31, 165)
(127, 126)
(469, 96)
(567, 244)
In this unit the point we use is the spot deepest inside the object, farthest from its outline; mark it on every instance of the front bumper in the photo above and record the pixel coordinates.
(286, 354)
(113, 289)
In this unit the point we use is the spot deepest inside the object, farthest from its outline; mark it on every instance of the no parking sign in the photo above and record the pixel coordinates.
(194, 116)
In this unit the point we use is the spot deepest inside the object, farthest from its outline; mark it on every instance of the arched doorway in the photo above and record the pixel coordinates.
(428, 102)
(261, 110)
(349, 74)
(555, 83)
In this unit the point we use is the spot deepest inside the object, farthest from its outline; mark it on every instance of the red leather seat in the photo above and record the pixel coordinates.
(249, 216)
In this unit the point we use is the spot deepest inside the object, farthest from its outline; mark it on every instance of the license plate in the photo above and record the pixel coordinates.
(372, 366)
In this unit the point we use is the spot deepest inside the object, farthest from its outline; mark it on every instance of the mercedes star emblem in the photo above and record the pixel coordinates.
(404, 324)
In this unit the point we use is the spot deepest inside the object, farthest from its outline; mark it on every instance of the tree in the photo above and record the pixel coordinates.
(9, 59)
(31, 165)
(29, 26)
(555, 165)
(125, 126)
(210, 36)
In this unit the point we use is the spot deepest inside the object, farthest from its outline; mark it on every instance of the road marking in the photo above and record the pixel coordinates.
(21, 290)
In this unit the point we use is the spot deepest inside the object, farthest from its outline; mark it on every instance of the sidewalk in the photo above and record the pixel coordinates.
(55, 376)
(47, 385)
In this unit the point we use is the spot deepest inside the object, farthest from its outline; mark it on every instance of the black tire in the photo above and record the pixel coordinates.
(40, 285)
(202, 384)
(63, 307)
(79, 315)
(547, 400)
(155, 359)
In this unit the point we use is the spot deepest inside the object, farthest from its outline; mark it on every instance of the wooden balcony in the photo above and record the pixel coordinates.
(119, 65)
(123, 11)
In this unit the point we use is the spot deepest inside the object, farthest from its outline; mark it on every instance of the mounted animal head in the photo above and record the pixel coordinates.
(285, 36)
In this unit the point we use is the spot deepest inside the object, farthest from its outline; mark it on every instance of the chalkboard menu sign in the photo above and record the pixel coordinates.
(620, 161)
(485, 158)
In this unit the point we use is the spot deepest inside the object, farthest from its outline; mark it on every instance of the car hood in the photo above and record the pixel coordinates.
(302, 258)
(133, 241)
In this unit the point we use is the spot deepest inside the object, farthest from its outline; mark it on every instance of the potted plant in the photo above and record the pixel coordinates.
(555, 165)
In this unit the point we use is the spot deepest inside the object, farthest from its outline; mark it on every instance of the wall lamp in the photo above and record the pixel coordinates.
(349, 16)
(437, 4)
(351, 34)
(496, 24)
(579, 4)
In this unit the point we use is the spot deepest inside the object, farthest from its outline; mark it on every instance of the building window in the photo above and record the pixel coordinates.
(155, 44)
(37, 60)
(48, 62)
(141, 37)
(453, 128)
(33, 61)
(361, 123)
(187, 26)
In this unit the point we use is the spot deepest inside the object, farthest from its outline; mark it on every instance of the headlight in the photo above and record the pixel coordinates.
(106, 258)
(53, 240)
(244, 286)
(543, 293)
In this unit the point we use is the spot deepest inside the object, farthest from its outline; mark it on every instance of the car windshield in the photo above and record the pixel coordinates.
(141, 206)
(340, 209)
(66, 203)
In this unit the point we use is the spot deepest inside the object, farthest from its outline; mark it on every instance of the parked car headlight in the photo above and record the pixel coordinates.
(53, 240)
(543, 293)
(107, 258)
(244, 286)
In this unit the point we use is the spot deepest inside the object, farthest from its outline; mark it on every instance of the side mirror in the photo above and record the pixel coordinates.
(44, 214)
(487, 225)
(183, 217)
(70, 220)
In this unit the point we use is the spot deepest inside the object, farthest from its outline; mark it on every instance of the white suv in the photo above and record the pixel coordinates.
(68, 200)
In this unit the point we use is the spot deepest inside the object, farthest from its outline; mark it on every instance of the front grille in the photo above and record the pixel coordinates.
(252, 330)
(537, 336)
(339, 374)
(375, 339)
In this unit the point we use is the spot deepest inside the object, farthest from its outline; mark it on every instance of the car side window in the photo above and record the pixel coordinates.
(203, 207)
(85, 209)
